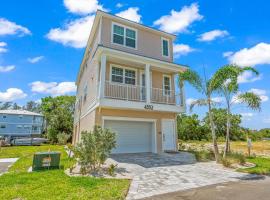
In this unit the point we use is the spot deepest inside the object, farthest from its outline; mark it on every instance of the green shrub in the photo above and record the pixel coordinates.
(226, 162)
(63, 138)
(203, 156)
(94, 148)
(111, 169)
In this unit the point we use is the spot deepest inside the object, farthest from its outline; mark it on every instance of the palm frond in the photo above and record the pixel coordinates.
(192, 78)
(252, 100)
(198, 102)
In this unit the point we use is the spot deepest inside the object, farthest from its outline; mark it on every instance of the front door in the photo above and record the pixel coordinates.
(168, 134)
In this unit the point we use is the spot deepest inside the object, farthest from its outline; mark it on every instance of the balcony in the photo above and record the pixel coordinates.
(138, 93)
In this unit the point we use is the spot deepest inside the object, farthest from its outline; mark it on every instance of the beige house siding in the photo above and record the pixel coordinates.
(148, 43)
(138, 114)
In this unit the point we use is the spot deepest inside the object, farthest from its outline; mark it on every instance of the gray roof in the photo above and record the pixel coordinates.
(19, 112)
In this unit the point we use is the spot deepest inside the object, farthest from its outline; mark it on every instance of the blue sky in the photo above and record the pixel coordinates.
(42, 43)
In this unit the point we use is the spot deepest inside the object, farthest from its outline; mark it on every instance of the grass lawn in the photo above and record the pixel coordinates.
(262, 166)
(53, 184)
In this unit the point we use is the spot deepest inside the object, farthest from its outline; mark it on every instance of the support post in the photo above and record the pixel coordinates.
(147, 83)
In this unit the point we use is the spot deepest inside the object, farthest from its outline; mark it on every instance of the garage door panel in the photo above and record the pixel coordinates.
(131, 137)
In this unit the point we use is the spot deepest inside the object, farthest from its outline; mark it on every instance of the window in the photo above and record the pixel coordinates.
(117, 74)
(4, 116)
(123, 75)
(124, 36)
(118, 34)
(166, 85)
(130, 77)
(165, 47)
(19, 126)
(20, 116)
(2, 126)
(130, 38)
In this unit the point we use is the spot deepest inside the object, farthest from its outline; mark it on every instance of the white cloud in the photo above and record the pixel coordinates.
(12, 94)
(181, 49)
(247, 116)
(2, 47)
(248, 77)
(131, 14)
(261, 93)
(8, 68)
(82, 7)
(179, 21)
(190, 100)
(256, 55)
(74, 34)
(218, 99)
(212, 35)
(119, 5)
(35, 59)
(53, 88)
(11, 28)
(227, 54)
(266, 120)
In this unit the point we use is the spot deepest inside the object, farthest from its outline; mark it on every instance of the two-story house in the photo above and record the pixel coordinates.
(20, 123)
(127, 83)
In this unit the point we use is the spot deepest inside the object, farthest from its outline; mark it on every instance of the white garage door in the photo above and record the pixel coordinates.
(131, 137)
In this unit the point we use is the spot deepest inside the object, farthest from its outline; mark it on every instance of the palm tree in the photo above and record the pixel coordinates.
(230, 91)
(206, 88)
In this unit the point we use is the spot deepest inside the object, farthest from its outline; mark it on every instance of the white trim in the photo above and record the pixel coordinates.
(125, 27)
(171, 67)
(154, 121)
(135, 105)
(163, 85)
(174, 134)
(162, 38)
(124, 68)
(103, 64)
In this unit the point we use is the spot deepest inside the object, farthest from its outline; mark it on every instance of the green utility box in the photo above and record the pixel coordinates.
(46, 160)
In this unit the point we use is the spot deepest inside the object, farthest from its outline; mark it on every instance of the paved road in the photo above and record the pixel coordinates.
(242, 190)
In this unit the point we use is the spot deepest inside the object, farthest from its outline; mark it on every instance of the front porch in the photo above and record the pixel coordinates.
(126, 78)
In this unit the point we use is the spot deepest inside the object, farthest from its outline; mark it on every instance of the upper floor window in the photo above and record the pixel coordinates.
(124, 36)
(165, 47)
(123, 75)
(166, 85)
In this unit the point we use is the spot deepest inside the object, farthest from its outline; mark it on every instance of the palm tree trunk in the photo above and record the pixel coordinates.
(214, 138)
(227, 142)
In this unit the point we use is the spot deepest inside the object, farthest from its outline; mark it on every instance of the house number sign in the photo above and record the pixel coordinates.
(148, 107)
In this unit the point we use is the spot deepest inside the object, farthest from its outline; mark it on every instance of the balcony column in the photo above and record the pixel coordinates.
(102, 73)
(147, 83)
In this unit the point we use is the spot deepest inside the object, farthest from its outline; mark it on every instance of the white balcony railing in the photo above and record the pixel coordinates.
(163, 96)
(124, 91)
(138, 93)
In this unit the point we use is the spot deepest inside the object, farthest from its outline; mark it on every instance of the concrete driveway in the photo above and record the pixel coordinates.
(5, 163)
(154, 174)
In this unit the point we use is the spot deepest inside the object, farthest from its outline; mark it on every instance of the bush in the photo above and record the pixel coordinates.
(237, 158)
(94, 148)
(62, 138)
(226, 162)
(203, 156)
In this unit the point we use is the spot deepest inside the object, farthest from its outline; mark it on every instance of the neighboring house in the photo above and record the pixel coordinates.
(126, 83)
(20, 123)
